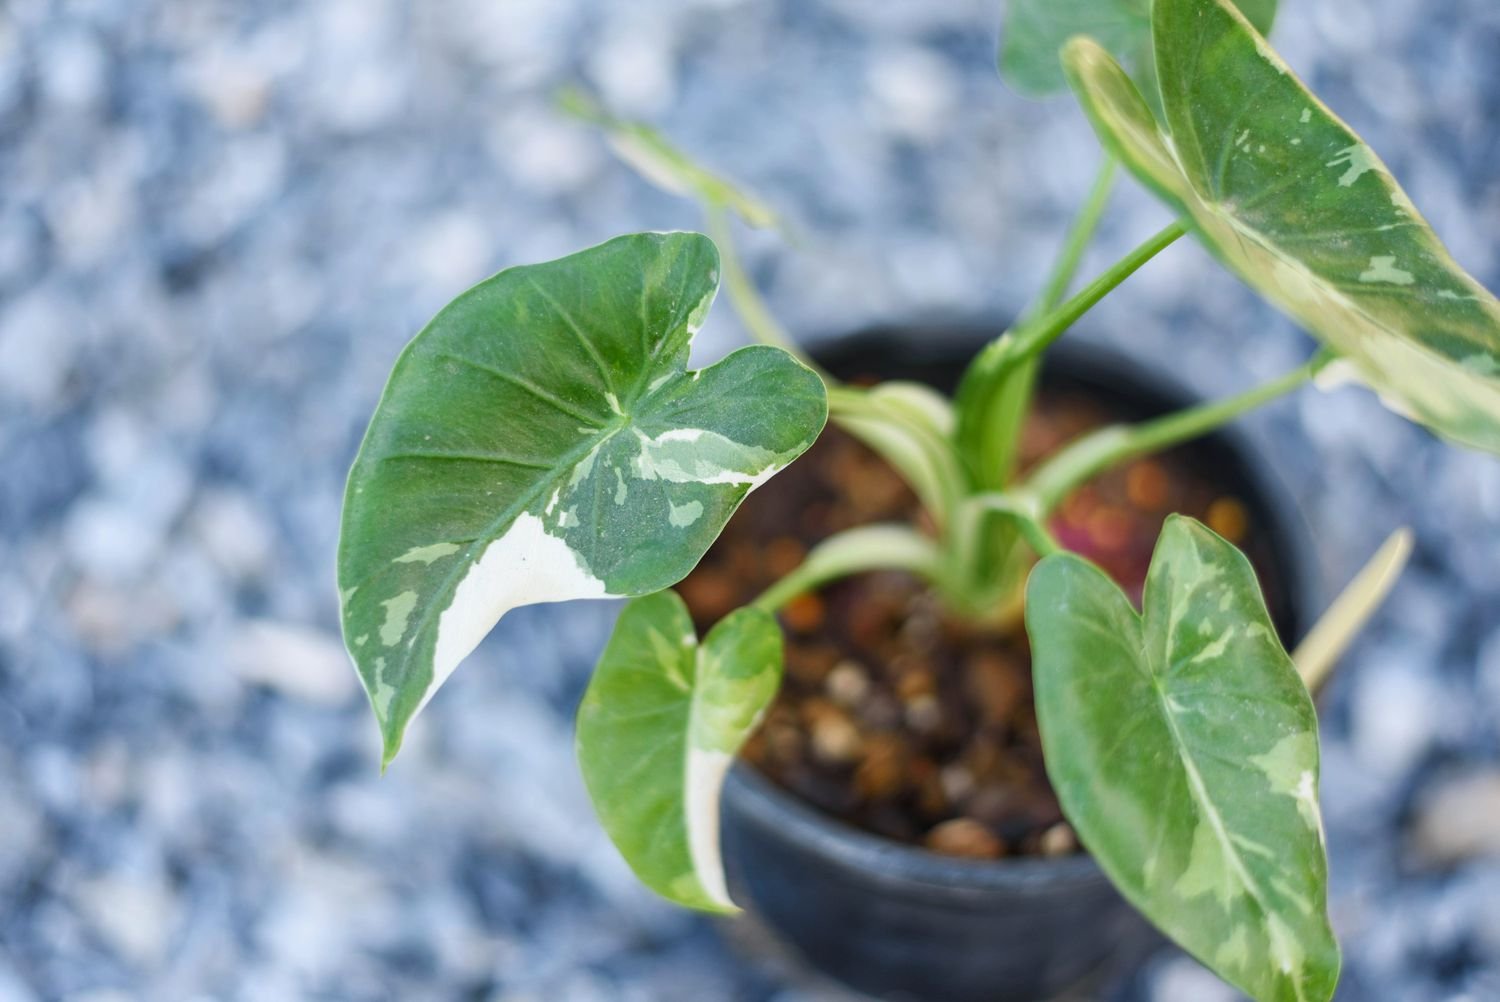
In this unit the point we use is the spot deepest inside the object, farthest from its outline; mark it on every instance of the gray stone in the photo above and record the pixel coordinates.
(1458, 819)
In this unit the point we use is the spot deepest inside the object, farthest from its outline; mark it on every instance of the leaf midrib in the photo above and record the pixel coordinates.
(1212, 204)
(1210, 809)
(626, 419)
(1243, 231)
(495, 528)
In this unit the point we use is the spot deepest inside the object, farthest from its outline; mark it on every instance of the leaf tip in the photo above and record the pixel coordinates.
(390, 745)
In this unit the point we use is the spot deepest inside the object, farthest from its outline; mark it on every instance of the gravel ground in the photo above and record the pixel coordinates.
(219, 222)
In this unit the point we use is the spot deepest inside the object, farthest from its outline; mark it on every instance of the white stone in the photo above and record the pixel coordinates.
(136, 915)
(1397, 713)
(233, 531)
(297, 661)
(38, 334)
(915, 89)
(1458, 819)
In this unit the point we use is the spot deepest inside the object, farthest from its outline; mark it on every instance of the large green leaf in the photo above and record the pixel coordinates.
(658, 729)
(1035, 31)
(542, 440)
(1291, 200)
(1184, 749)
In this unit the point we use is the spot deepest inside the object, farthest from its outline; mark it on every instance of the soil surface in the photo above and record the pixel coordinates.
(895, 716)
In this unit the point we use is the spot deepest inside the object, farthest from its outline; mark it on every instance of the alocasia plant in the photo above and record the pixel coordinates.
(543, 439)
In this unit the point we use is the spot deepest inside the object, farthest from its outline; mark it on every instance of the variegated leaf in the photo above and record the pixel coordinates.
(541, 440)
(1184, 749)
(1291, 200)
(658, 729)
(1036, 30)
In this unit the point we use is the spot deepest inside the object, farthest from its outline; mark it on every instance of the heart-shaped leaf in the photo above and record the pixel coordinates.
(543, 440)
(1291, 200)
(658, 729)
(1184, 749)
(1036, 30)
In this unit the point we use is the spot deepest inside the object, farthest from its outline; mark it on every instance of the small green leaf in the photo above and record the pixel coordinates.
(658, 729)
(1184, 749)
(542, 440)
(1035, 31)
(1292, 201)
(666, 166)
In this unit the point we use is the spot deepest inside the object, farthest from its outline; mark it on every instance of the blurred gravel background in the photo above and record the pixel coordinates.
(219, 222)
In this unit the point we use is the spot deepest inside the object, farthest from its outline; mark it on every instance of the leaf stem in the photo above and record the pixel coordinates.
(1028, 515)
(1079, 235)
(866, 548)
(986, 375)
(1055, 323)
(999, 420)
(743, 295)
(1107, 447)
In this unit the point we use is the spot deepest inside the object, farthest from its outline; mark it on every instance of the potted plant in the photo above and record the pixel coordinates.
(543, 440)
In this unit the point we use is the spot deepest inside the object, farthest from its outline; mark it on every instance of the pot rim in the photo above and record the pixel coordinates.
(913, 868)
(893, 863)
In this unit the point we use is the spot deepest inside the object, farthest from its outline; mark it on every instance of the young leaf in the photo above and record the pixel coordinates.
(657, 730)
(1035, 31)
(666, 166)
(543, 440)
(1184, 749)
(911, 427)
(1326, 642)
(1291, 200)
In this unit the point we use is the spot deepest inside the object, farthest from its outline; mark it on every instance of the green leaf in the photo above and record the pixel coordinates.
(658, 729)
(1035, 31)
(1292, 201)
(1184, 749)
(666, 166)
(541, 440)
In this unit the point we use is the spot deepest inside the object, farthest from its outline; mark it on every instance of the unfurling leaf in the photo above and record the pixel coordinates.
(1036, 30)
(1326, 642)
(541, 440)
(911, 427)
(1292, 201)
(1184, 749)
(658, 729)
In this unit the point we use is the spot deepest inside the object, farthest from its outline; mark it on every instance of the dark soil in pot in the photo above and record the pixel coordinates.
(904, 727)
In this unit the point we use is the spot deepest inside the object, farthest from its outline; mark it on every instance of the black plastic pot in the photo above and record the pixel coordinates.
(901, 923)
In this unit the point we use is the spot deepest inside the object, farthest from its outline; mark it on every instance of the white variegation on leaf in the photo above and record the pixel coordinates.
(1296, 204)
(543, 440)
(658, 729)
(1184, 749)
